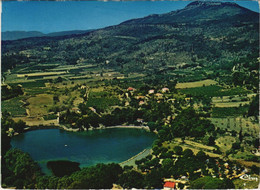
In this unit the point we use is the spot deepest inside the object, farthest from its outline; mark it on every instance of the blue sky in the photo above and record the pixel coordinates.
(49, 16)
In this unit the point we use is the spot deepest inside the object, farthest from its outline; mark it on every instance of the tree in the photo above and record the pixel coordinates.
(153, 179)
(167, 166)
(19, 126)
(211, 141)
(190, 123)
(236, 145)
(89, 178)
(152, 126)
(177, 150)
(131, 179)
(253, 109)
(255, 169)
(201, 156)
(211, 183)
(187, 153)
(22, 167)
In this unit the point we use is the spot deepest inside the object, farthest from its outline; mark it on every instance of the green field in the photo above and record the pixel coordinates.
(36, 83)
(229, 111)
(213, 90)
(242, 184)
(14, 106)
(207, 82)
(235, 123)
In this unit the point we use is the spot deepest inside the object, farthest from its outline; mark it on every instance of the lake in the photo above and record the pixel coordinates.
(88, 148)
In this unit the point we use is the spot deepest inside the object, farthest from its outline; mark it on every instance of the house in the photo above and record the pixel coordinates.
(130, 89)
(139, 97)
(93, 109)
(168, 185)
(141, 103)
(164, 90)
(139, 120)
(171, 183)
(151, 91)
(127, 103)
(159, 95)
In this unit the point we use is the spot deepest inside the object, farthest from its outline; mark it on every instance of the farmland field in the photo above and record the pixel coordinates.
(40, 74)
(235, 123)
(14, 106)
(229, 111)
(38, 105)
(207, 82)
(225, 143)
(213, 90)
(230, 104)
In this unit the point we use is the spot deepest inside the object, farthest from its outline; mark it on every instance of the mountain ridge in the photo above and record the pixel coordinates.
(17, 35)
(194, 10)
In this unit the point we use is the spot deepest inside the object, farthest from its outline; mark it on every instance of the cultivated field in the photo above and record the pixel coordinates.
(40, 74)
(235, 123)
(38, 105)
(207, 82)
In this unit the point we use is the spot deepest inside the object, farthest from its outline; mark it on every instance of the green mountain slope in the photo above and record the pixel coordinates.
(203, 33)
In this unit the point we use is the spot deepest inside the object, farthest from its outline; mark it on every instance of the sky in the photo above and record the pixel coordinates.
(53, 16)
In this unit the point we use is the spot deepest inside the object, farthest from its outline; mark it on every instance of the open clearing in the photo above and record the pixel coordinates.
(38, 105)
(194, 146)
(230, 104)
(36, 121)
(225, 143)
(207, 82)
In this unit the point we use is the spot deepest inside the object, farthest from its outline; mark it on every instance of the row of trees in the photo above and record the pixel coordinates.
(10, 91)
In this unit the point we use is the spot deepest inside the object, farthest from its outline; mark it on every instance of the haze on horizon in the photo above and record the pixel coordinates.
(47, 16)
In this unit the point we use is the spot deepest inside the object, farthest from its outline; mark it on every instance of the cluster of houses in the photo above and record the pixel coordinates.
(151, 92)
(231, 172)
(170, 183)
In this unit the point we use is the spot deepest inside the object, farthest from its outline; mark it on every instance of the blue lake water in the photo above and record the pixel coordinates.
(88, 148)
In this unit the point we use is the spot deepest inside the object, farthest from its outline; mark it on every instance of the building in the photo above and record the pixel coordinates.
(151, 91)
(168, 185)
(164, 90)
(159, 95)
(171, 183)
(130, 89)
(141, 103)
(140, 97)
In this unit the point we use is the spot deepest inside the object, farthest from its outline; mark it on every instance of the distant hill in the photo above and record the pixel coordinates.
(65, 33)
(16, 35)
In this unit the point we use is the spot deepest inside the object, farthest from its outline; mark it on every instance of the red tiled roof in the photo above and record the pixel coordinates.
(130, 89)
(169, 184)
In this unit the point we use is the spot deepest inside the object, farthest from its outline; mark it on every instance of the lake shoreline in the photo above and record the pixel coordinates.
(138, 156)
(63, 127)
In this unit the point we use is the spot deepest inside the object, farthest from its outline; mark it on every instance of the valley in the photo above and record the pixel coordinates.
(191, 78)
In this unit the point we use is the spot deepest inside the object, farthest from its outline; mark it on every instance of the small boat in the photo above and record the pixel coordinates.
(65, 145)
